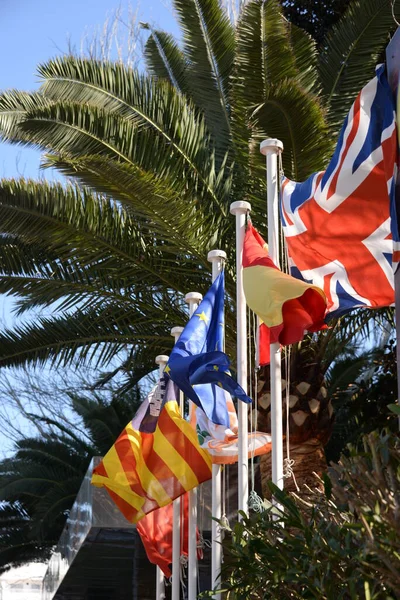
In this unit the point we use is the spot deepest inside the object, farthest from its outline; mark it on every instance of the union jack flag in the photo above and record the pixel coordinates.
(340, 225)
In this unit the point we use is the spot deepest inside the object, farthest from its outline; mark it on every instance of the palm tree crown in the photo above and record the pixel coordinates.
(157, 158)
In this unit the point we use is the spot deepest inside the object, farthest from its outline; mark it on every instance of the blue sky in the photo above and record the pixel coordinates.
(32, 31)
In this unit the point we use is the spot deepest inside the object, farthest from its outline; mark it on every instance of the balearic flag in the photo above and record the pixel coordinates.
(155, 459)
(223, 443)
(287, 306)
(155, 531)
(340, 225)
(197, 358)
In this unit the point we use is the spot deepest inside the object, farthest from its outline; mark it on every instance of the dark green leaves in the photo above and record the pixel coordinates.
(350, 52)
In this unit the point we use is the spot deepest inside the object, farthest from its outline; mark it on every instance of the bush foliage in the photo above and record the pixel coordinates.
(342, 544)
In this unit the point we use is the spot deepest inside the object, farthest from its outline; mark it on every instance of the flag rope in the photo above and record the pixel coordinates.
(288, 463)
(256, 503)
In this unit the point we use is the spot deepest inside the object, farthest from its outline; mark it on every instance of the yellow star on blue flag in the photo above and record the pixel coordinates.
(197, 358)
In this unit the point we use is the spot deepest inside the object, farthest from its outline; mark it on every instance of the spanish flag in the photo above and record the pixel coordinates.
(287, 306)
(155, 459)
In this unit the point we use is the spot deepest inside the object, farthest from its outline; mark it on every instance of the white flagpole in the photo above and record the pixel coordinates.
(271, 148)
(239, 209)
(193, 299)
(161, 361)
(392, 65)
(176, 528)
(217, 259)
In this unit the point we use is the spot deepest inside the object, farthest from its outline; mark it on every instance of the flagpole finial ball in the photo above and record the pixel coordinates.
(193, 297)
(270, 146)
(161, 359)
(216, 255)
(176, 331)
(241, 206)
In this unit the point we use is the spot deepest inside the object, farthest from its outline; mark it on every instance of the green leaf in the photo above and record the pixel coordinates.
(350, 53)
(209, 44)
(165, 60)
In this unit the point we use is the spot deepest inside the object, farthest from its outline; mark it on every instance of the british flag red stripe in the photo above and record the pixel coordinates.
(340, 225)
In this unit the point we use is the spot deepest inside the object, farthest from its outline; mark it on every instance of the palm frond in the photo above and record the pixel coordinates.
(209, 45)
(86, 336)
(158, 120)
(168, 214)
(350, 53)
(150, 105)
(264, 54)
(273, 84)
(296, 118)
(165, 60)
(96, 240)
(305, 54)
(17, 547)
(13, 108)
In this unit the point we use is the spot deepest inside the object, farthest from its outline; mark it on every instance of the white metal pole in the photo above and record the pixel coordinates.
(161, 361)
(393, 71)
(239, 209)
(216, 258)
(271, 148)
(193, 299)
(176, 527)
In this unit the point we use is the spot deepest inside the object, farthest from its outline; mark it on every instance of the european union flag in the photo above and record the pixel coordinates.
(197, 358)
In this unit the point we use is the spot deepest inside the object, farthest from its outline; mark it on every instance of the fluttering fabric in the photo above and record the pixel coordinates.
(287, 306)
(155, 531)
(155, 459)
(221, 442)
(197, 358)
(340, 225)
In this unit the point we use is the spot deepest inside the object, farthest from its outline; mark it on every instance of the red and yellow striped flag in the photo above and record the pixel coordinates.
(155, 459)
(287, 306)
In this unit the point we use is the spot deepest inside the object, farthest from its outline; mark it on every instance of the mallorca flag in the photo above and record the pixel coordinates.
(287, 306)
(197, 358)
(156, 458)
(222, 443)
(155, 531)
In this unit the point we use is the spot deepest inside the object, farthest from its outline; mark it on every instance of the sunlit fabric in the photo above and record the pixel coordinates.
(287, 306)
(340, 225)
(155, 459)
(198, 358)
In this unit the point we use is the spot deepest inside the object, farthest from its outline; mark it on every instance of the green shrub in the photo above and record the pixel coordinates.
(343, 544)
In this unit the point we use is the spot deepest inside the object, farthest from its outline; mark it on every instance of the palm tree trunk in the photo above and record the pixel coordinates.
(309, 461)
(310, 421)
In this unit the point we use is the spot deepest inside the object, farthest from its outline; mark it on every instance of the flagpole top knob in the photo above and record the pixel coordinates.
(176, 332)
(161, 359)
(271, 146)
(214, 255)
(192, 297)
(241, 206)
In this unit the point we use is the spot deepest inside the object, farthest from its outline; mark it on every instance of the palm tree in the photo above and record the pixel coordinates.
(155, 160)
(319, 376)
(40, 481)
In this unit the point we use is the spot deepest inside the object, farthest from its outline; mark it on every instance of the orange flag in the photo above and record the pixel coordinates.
(155, 531)
(287, 306)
